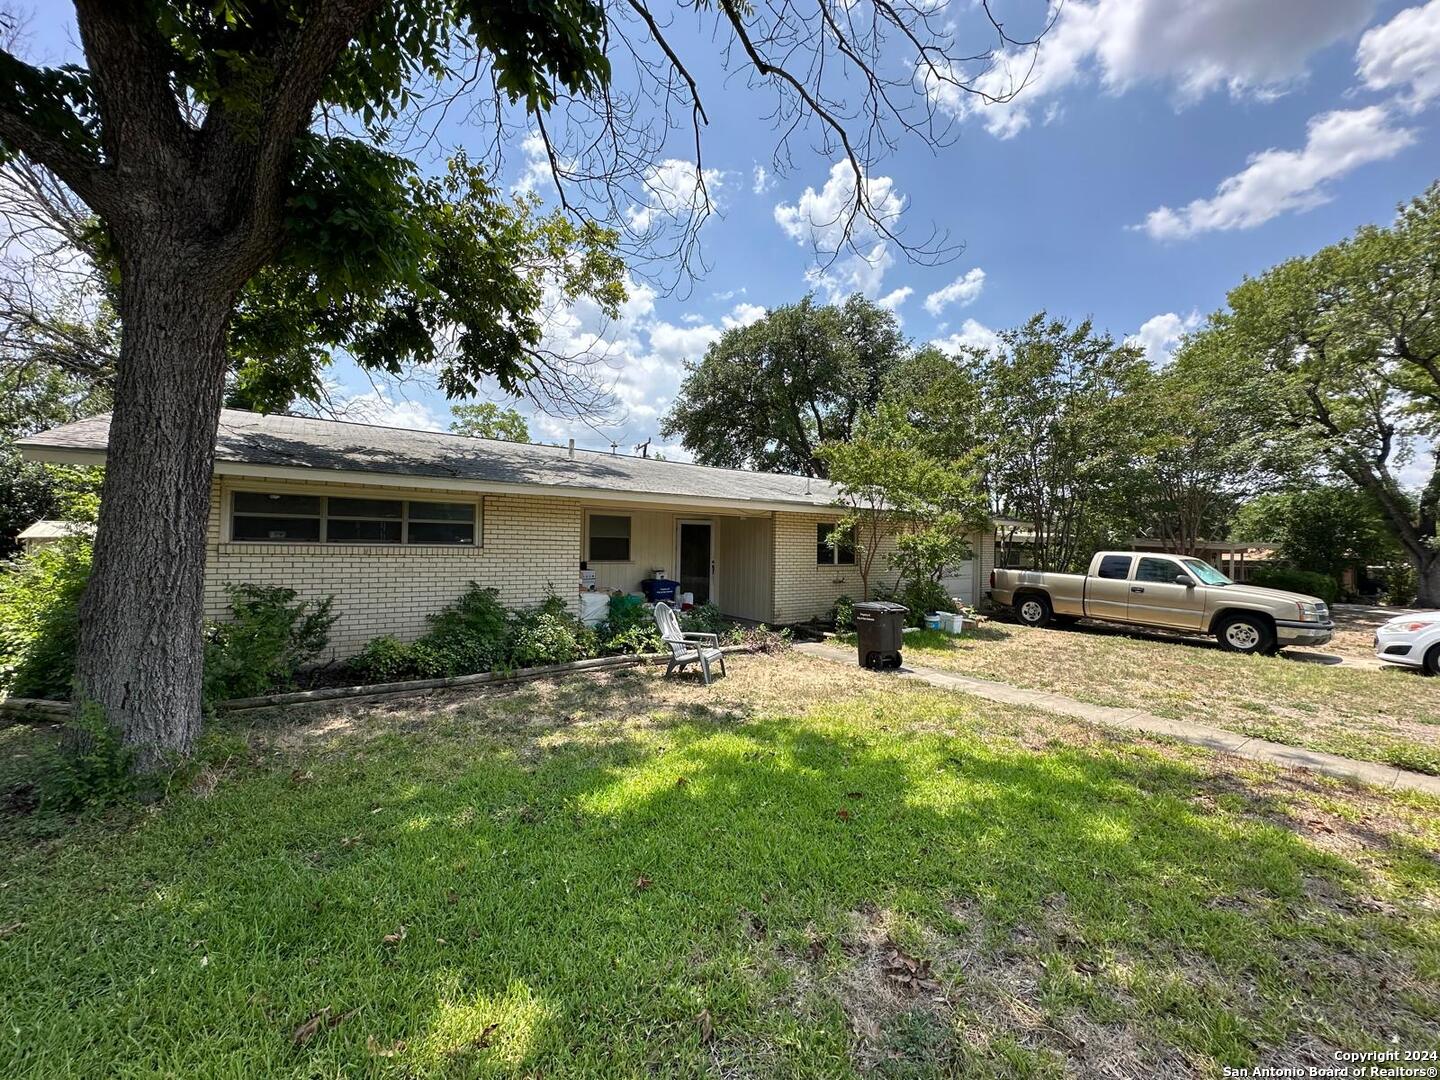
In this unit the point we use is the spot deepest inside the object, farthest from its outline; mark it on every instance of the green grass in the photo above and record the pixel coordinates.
(626, 876)
(1390, 715)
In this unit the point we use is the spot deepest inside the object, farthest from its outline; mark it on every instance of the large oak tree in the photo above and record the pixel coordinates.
(221, 141)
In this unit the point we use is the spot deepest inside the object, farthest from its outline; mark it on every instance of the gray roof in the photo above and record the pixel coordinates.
(50, 529)
(248, 438)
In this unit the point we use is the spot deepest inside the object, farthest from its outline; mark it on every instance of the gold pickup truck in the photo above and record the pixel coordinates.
(1169, 592)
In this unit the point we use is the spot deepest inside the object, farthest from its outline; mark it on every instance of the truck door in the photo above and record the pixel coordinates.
(1107, 591)
(1156, 600)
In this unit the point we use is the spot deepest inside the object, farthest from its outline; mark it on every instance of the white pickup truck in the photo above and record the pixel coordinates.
(1169, 592)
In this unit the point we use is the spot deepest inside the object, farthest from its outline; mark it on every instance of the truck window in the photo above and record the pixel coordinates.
(1158, 570)
(1115, 566)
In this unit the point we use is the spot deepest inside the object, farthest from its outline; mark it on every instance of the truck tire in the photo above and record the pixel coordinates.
(1247, 634)
(1033, 609)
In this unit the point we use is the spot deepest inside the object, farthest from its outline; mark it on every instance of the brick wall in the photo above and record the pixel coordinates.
(806, 589)
(527, 542)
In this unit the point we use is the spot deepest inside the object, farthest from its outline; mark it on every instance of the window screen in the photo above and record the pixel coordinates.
(312, 519)
(609, 538)
(364, 521)
(1116, 567)
(1157, 570)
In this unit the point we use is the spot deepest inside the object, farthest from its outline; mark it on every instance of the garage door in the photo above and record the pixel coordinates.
(959, 581)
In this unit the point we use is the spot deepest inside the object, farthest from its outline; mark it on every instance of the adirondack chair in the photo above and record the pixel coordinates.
(686, 649)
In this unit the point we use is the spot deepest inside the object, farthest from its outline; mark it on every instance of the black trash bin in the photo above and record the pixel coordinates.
(880, 628)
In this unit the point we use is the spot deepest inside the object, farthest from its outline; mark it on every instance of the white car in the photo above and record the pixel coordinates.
(1412, 640)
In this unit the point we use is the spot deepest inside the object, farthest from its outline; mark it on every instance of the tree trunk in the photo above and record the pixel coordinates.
(141, 652)
(1427, 577)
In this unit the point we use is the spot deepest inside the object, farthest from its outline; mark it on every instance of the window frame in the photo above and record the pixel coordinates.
(823, 531)
(629, 518)
(476, 503)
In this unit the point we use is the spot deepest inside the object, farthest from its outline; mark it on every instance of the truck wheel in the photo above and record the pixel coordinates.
(1034, 609)
(1246, 634)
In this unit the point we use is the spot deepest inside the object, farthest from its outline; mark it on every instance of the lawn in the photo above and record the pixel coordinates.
(1390, 715)
(800, 871)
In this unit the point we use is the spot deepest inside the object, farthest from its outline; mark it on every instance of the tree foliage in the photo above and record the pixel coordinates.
(895, 491)
(767, 396)
(487, 420)
(1057, 433)
(1326, 529)
(1341, 350)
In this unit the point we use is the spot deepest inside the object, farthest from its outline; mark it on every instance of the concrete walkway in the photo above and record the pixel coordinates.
(1213, 738)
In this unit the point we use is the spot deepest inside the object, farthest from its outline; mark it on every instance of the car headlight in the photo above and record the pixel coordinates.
(1311, 612)
(1411, 627)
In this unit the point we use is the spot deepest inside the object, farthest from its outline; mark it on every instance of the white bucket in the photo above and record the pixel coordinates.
(687, 599)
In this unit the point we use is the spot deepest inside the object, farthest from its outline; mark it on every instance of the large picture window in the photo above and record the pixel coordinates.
(609, 538)
(320, 519)
(840, 554)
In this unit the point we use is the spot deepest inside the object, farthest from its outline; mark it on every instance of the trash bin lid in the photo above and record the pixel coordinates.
(878, 607)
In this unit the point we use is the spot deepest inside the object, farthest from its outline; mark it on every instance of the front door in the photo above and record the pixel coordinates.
(696, 565)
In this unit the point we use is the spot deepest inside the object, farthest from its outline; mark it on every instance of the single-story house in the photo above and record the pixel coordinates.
(395, 523)
(48, 530)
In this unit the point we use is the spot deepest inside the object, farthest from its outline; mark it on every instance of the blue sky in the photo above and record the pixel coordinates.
(1162, 150)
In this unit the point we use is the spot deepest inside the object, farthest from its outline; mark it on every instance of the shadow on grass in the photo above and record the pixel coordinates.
(575, 909)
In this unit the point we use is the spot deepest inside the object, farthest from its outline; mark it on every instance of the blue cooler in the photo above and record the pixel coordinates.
(656, 589)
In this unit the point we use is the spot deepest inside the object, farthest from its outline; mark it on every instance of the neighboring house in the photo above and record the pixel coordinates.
(395, 523)
(47, 531)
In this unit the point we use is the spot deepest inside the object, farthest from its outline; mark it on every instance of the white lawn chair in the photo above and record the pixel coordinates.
(686, 649)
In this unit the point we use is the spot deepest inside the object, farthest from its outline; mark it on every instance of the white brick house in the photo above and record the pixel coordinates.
(394, 524)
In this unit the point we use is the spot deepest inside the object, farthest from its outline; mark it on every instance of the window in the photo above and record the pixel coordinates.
(1159, 571)
(609, 538)
(292, 518)
(1207, 574)
(842, 554)
(364, 521)
(441, 523)
(316, 519)
(1116, 567)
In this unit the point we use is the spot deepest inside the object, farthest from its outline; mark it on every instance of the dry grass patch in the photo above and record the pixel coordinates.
(1390, 715)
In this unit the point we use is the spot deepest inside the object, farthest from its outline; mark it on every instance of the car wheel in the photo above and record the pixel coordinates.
(1432, 660)
(1246, 634)
(1034, 610)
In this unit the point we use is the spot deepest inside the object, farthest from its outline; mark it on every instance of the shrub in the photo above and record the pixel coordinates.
(39, 624)
(628, 628)
(385, 659)
(1402, 584)
(1293, 580)
(469, 636)
(922, 597)
(707, 619)
(844, 616)
(270, 635)
(543, 637)
(95, 767)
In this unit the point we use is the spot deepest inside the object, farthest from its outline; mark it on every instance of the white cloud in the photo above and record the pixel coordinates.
(762, 180)
(1196, 46)
(963, 290)
(388, 409)
(1160, 334)
(1278, 181)
(743, 315)
(972, 335)
(1404, 54)
(673, 190)
(893, 299)
(852, 253)
(535, 172)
